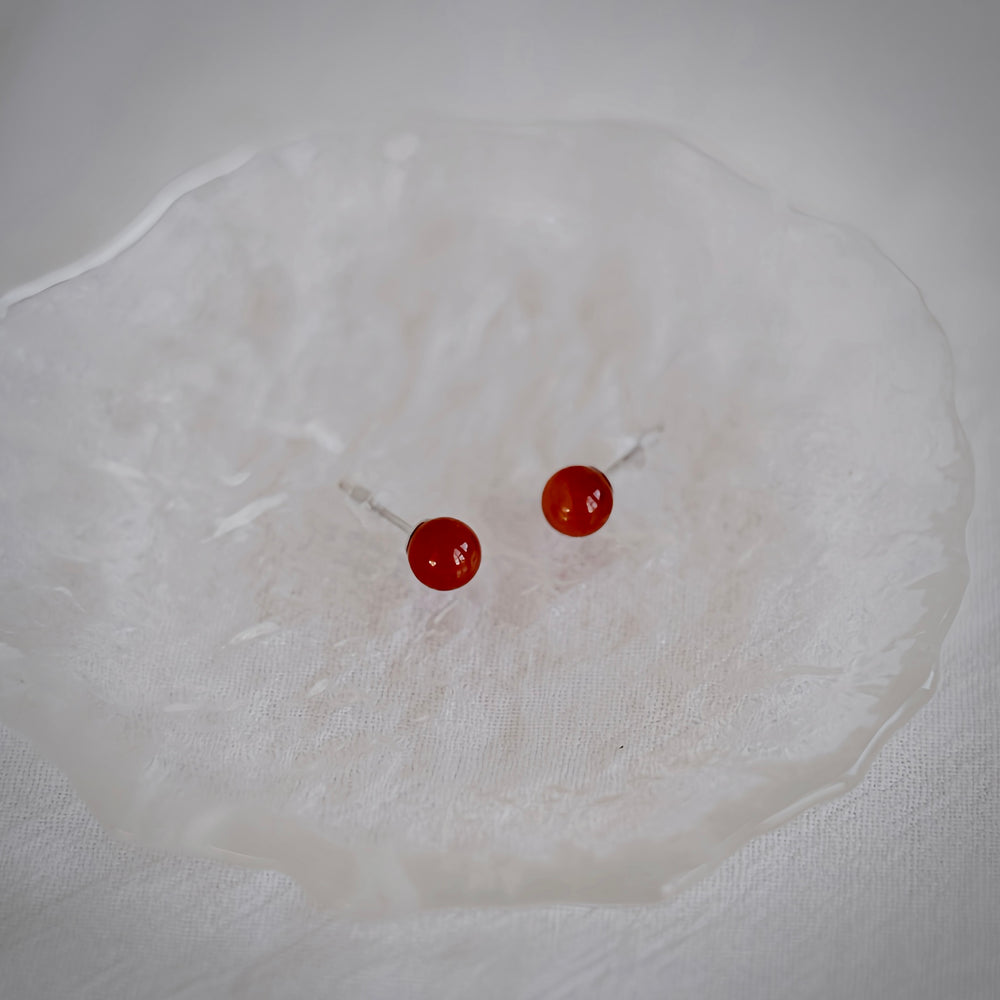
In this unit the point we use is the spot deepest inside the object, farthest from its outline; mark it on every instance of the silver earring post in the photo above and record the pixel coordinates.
(365, 497)
(639, 445)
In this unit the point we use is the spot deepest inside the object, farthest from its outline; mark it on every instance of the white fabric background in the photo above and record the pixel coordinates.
(883, 115)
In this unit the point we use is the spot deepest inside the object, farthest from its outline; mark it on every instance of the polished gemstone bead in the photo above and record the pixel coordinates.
(444, 553)
(577, 500)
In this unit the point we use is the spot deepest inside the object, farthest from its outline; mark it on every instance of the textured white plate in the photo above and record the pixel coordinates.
(229, 658)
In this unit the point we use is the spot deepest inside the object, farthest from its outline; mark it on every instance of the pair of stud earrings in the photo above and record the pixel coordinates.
(444, 553)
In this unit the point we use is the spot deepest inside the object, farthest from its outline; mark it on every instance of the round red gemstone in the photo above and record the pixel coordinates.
(444, 553)
(577, 500)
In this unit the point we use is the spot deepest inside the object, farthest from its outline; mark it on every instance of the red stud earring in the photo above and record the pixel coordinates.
(443, 552)
(578, 500)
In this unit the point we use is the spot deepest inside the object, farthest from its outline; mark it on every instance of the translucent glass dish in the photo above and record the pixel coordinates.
(229, 657)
